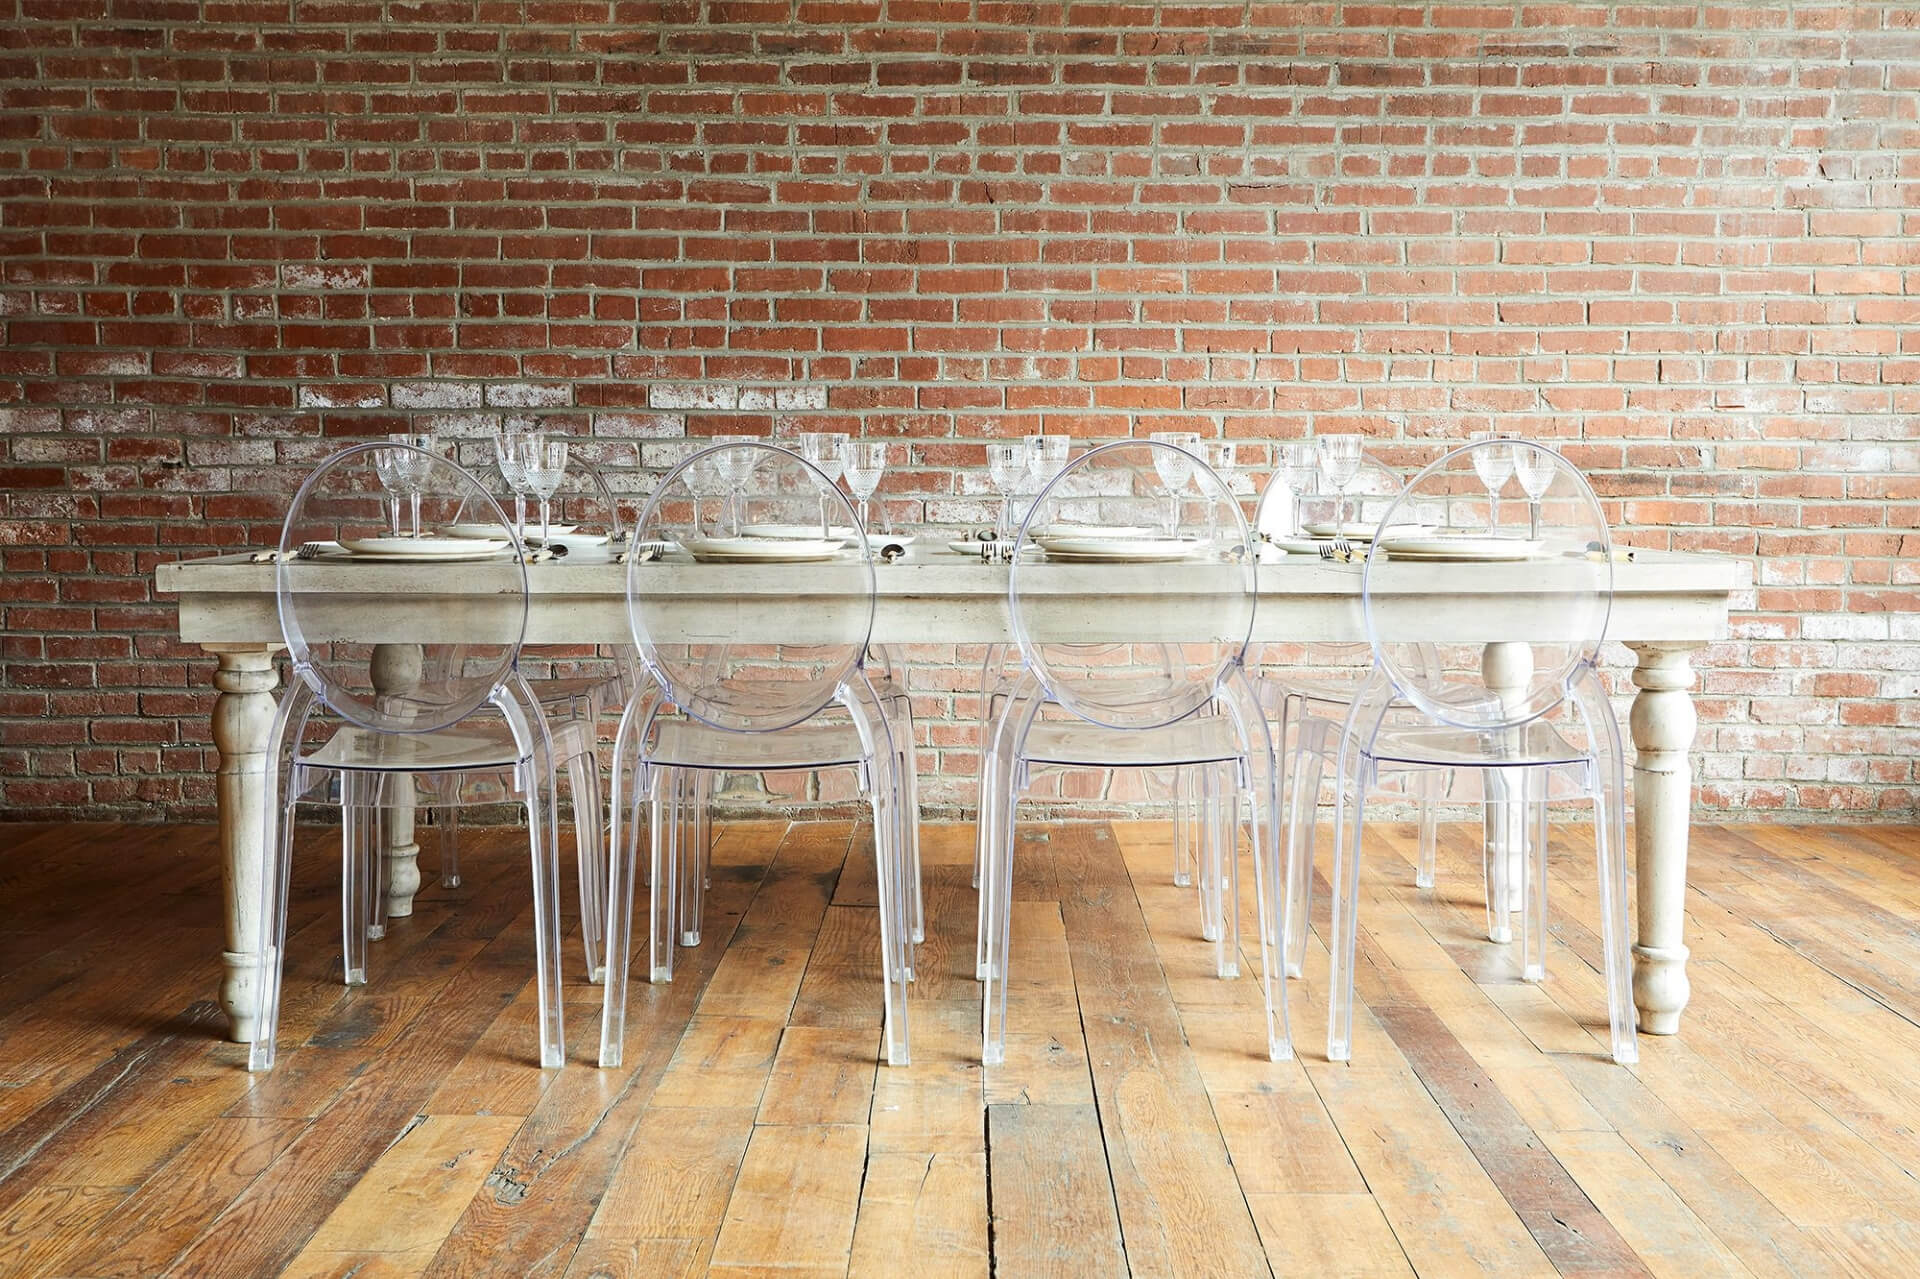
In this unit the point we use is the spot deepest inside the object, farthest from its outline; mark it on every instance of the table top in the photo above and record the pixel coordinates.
(936, 595)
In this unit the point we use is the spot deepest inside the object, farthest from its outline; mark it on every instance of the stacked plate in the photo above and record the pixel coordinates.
(530, 534)
(420, 550)
(1113, 545)
(1457, 546)
(764, 550)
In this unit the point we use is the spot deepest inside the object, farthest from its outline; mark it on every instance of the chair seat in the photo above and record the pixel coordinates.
(682, 744)
(468, 745)
(1534, 745)
(1197, 739)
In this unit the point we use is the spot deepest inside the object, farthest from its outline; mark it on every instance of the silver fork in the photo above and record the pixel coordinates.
(1343, 550)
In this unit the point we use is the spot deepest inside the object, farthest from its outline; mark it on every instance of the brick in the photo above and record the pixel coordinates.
(957, 224)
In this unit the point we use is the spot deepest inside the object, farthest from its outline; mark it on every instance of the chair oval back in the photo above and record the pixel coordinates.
(350, 613)
(1160, 538)
(1442, 575)
(718, 655)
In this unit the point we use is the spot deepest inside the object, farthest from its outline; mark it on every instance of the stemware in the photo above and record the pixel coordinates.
(863, 462)
(733, 469)
(414, 467)
(1534, 467)
(822, 448)
(1046, 458)
(1494, 467)
(1175, 471)
(389, 467)
(1006, 468)
(1221, 456)
(1339, 467)
(1299, 469)
(544, 462)
(508, 447)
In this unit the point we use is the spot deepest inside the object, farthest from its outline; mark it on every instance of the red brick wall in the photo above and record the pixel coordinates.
(1680, 238)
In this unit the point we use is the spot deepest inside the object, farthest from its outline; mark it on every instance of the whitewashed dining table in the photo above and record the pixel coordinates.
(1666, 606)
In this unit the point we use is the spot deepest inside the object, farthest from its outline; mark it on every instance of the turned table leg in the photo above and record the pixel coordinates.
(396, 668)
(1662, 723)
(242, 723)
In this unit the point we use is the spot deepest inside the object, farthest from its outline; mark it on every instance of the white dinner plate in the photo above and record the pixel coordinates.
(1118, 550)
(1439, 546)
(762, 550)
(967, 546)
(1298, 545)
(421, 548)
(495, 530)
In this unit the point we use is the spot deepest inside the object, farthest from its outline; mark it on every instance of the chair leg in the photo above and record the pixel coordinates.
(1223, 818)
(1533, 914)
(357, 889)
(998, 932)
(542, 846)
(621, 873)
(692, 860)
(665, 893)
(1203, 830)
(590, 854)
(269, 970)
(1346, 906)
(1498, 866)
(450, 847)
(1183, 834)
(1609, 838)
(894, 905)
(1303, 805)
(1429, 786)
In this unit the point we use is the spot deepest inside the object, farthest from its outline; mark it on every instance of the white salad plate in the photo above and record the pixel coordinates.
(1442, 547)
(495, 530)
(762, 550)
(1119, 550)
(798, 532)
(1048, 531)
(422, 548)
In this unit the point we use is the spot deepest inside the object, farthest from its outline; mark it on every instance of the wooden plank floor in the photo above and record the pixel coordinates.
(1136, 1127)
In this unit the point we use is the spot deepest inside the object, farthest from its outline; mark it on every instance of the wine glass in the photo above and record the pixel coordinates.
(1221, 456)
(734, 468)
(509, 446)
(1339, 466)
(822, 448)
(1299, 470)
(863, 461)
(1046, 458)
(1494, 466)
(1006, 467)
(1175, 468)
(389, 467)
(415, 463)
(544, 462)
(1533, 467)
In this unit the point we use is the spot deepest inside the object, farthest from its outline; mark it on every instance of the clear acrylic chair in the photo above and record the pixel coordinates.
(1497, 708)
(428, 722)
(735, 690)
(1309, 697)
(1132, 684)
(575, 690)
